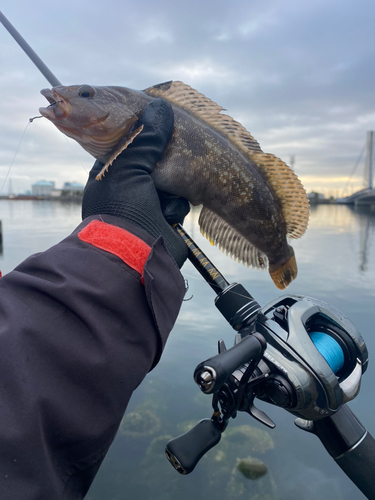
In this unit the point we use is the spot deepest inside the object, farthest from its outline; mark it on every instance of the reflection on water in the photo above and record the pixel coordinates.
(367, 225)
(33, 226)
(336, 261)
(233, 470)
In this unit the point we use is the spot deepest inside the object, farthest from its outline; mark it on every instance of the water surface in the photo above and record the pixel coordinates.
(336, 260)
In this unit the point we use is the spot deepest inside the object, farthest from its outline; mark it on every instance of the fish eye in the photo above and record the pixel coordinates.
(86, 91)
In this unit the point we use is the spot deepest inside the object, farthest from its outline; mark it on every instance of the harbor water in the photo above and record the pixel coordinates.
(336, 261)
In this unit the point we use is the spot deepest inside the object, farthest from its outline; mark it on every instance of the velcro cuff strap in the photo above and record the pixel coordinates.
(113, 239)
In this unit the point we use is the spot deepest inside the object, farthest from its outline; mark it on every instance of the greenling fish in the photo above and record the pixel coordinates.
(252, 201)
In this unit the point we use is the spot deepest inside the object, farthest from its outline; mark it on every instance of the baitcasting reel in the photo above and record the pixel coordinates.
(297, 353)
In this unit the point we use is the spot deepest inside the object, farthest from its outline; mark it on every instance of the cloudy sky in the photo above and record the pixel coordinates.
(299, 75)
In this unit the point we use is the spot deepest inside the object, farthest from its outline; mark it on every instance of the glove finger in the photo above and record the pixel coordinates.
(174, 209)
(158, 117)
(157, 120)
(148, 146)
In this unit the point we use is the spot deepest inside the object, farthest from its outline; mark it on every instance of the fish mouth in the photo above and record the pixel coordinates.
(58, 108)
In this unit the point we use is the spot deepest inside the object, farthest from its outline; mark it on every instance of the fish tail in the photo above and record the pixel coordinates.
(285, 274)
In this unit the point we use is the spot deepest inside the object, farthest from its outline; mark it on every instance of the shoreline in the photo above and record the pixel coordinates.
(43, 198)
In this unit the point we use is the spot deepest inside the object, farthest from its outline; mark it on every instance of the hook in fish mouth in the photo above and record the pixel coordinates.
(54, 103)
(51, 105)
(56, 107)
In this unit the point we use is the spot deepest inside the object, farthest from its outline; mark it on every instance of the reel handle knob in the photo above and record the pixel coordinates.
(211, 374)
(185, 451)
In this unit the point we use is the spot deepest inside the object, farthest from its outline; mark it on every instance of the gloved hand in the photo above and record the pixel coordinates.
(128, 191)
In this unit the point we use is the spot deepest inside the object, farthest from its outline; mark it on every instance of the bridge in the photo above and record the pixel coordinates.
(364, 197)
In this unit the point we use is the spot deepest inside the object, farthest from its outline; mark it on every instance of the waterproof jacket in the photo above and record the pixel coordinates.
(81, 325)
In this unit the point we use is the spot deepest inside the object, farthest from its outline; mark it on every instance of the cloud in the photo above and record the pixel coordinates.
(298, 75)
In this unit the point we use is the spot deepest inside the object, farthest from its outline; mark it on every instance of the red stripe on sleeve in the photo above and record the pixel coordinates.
(113, 239)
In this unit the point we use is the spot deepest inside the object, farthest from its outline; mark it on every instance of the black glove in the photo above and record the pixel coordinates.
(128, 191)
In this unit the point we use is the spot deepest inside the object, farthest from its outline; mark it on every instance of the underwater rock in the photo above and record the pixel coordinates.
(146, 418)
(250, 438)
(140, 423)
(251, 468)
(221, 465)
(239, 488)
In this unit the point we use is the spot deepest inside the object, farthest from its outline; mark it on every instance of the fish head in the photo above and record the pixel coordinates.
(96, 117)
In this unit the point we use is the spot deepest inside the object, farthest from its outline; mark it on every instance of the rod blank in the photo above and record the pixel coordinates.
(30, 52)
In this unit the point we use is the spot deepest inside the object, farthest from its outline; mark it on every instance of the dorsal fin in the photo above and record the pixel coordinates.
(289, 190)
(230, 241)
(287, 186)
(185, 96)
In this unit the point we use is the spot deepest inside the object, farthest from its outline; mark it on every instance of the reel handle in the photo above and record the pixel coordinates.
(185, 451)
(211, 374)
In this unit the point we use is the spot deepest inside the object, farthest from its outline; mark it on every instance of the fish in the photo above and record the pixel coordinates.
(252, 202)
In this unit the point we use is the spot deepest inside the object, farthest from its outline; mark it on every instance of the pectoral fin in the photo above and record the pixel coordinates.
(128, 139)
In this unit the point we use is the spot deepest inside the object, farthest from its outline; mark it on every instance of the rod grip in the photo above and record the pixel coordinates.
(185, 451)
(351, 446)
(359, 465)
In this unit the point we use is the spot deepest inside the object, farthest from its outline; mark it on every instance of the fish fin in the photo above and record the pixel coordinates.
(230, 241)
(287, 186)
(185, 96)
(128, 139)
(285, 274)
(289, 191)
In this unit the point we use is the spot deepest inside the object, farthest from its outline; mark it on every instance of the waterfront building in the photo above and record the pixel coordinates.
(42, 188)
(72, 190)
(76, 187)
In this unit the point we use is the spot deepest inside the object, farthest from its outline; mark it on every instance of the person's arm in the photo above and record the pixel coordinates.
(80, 326)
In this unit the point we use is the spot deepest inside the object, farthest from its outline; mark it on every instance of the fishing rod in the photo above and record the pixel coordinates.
(297, 353)
(47, 73)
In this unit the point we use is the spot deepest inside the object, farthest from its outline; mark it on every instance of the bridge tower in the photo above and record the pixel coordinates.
(369, 158)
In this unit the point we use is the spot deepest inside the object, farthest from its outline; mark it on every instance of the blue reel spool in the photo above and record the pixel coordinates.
(329, 349)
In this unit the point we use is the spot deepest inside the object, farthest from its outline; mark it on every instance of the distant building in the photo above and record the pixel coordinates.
(73, 186)
(319, 199)
(56, 193)
(314, 196)
(42, 188)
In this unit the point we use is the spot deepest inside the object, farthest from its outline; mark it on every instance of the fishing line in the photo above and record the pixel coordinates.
(18, 147)
(14, 157)
(329, 349)
(22, 136)
(187, 289)
(213, 284)
(40, 116)
(75, 152)
(32, 119)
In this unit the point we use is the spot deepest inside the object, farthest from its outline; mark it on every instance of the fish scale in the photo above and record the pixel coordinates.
(252, 201)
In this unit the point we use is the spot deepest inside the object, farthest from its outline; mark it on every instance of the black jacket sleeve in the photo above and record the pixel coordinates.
(79, 330)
